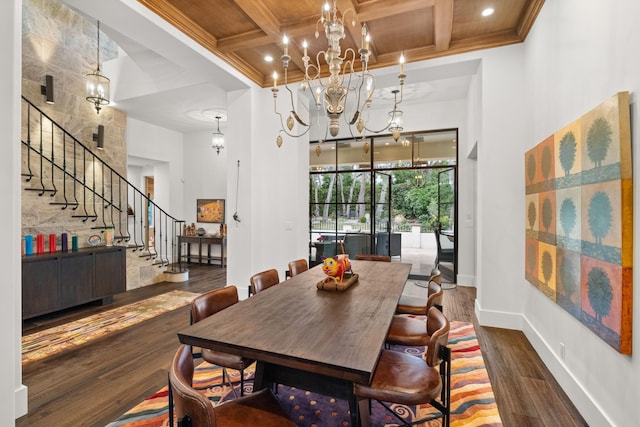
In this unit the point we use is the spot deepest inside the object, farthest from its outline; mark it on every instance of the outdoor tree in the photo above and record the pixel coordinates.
(329, 198)
(547, 214)
(546, 265)
(567, 151)
(598, 140)
(600, 216)
(568, 215)
(599, 292)
(532, 214)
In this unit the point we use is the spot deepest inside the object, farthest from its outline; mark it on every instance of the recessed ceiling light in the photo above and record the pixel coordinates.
(268, 58)
(488, 11)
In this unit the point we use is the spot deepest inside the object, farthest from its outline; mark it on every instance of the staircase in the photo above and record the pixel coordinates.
(72, 178)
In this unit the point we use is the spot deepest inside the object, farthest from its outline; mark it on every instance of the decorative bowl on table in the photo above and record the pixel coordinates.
(94, 240)
(200, 231)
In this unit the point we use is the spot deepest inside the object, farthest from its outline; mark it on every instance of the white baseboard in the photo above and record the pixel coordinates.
(466, 280)
(588, 408)
(21, 401)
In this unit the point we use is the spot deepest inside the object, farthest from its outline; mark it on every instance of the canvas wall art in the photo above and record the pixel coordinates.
(210, 210)
(579, 220)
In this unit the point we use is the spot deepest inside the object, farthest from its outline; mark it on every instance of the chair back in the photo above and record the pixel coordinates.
(436, 276)
(298, 266)
(264, 280)
(191, 407)
(373, 257)
(435, 294)
(213, 301)
(438, 329)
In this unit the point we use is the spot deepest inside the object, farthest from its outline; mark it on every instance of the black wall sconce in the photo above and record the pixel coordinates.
(99, 137)
(47, 89)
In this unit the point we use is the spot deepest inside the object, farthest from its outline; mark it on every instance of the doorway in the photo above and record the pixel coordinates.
(379, 195)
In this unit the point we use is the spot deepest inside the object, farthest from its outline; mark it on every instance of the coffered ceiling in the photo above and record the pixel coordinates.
(243, 32)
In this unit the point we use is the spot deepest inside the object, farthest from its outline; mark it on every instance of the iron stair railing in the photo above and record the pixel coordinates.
(58, 164)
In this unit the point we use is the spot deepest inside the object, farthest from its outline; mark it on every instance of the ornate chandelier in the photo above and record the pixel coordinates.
(97, 85)
(331, 93)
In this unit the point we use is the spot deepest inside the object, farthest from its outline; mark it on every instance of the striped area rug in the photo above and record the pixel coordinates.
(51, 341)
(472, 399)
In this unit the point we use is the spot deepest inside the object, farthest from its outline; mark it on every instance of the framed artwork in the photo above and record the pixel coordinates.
(579, 227)
(210, 210)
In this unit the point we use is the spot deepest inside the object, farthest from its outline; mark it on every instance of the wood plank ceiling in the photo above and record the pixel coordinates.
(243, 32)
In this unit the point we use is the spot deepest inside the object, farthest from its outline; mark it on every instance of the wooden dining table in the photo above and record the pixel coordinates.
(317, 340)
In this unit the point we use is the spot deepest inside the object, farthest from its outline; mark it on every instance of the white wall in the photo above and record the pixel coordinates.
(205, 175)
(579, 54)
(13, 395)
(164, 150)
(273, 196)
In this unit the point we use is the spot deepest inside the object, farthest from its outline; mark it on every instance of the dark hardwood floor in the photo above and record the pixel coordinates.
(95, 383)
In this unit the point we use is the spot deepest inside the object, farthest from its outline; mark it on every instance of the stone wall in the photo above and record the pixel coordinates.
(61, 43)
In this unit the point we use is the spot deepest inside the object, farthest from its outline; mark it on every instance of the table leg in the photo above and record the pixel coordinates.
(200, 253)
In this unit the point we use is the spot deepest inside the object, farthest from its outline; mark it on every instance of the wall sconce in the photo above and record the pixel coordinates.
(47, 89)
(99, 137)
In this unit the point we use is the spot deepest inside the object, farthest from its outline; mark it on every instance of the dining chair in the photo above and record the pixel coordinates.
(193, 409)
(264, 280)
(410, 304)
(206, 305)
(410, 331)
(298, 266)
(373, 257)
(406, 379)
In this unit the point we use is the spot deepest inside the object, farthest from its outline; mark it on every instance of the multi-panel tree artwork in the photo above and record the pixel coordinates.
(579, 218)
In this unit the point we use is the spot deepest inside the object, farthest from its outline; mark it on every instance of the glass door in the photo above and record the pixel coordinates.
(381, 236)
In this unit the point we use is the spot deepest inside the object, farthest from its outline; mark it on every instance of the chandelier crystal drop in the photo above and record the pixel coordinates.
(344, 81)
(97, 85)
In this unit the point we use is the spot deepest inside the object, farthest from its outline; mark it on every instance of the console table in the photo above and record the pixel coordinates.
(203, 240)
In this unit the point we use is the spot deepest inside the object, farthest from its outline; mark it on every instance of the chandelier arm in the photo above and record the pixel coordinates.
(293, 135)
(381, 130)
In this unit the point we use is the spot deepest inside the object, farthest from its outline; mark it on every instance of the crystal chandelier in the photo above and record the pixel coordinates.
(217, 140)
(97, 85)
(330, 94)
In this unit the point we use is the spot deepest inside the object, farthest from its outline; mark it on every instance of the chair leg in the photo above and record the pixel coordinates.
(241, 382)
(170, 405)
(233, 389)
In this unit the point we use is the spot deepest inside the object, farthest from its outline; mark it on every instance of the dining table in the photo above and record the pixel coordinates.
(317, 340)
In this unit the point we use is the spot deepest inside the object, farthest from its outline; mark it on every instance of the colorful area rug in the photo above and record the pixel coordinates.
(472, 399)
(51, 341)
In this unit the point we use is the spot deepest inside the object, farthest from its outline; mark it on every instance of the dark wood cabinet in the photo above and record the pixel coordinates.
(59, 280)
(110, 275)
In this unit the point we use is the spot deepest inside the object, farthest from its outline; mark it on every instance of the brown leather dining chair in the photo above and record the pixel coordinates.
(406, 379)
(264, 280)
(206, 305)
(298, 266)
(196, 410)
(373, 257)
(409, 304)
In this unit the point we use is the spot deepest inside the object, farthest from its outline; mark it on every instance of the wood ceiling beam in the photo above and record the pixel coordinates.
(530, 15)
(175, 17)
(443, 23)
(248, 40)
(261, 15)
(370, 12)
